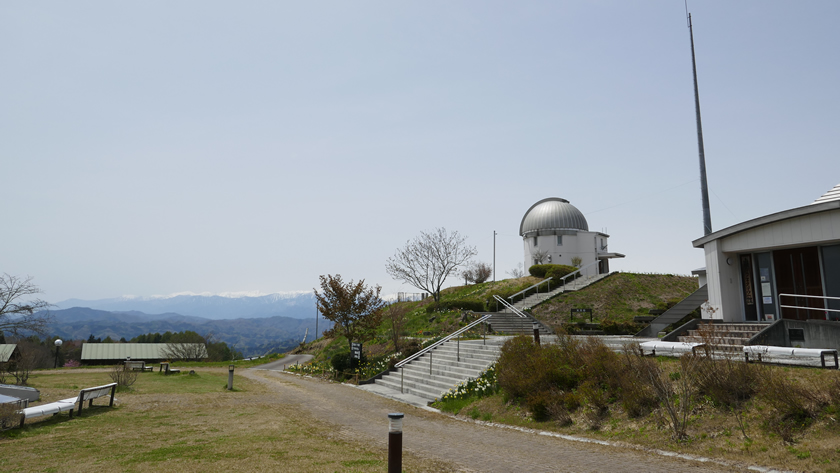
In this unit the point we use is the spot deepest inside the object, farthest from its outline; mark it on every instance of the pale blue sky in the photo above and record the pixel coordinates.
(161, 147)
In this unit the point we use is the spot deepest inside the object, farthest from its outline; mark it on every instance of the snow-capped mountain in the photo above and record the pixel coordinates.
(299, 305)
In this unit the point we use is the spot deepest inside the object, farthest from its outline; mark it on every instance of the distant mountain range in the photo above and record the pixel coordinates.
(299, 305)
(252, 336)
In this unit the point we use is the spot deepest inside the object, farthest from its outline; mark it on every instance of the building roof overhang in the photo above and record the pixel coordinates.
(767, 219)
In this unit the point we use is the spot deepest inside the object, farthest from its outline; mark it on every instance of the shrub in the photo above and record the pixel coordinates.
(794, 405)
(525, 368)
(9, 415)
(727, 382)
(560, 270)
(463, 304)
(341, 362)
(555, 271)
(123, 376)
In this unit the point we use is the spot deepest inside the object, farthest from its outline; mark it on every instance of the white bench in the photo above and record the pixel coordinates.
(164, 366)
(759, 350)
(69, 404)
(670, 348)
(138, 366)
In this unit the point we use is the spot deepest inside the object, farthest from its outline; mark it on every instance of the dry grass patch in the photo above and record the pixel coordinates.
(745, 431)
(187, 423)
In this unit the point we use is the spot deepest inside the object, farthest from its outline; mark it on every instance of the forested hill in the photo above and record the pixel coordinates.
(251, 336)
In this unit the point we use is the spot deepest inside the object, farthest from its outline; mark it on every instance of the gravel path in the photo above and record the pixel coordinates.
(362, 416)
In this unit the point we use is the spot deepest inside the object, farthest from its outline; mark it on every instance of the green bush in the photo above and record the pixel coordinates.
(555, 271)
(463, 304)
(342, 362)
(525, 368)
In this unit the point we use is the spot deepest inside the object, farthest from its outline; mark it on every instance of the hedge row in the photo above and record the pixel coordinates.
(465, 304)
(555, 271)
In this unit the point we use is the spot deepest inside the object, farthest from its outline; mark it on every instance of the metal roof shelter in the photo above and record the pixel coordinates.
(6, 351)
(137, 351)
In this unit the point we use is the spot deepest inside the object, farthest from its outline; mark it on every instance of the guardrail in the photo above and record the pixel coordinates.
(821, 309)
(509, 306)
(537, 285)
(440, 342)
(578, 271)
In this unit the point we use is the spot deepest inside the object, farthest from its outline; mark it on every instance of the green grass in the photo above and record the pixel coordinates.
(619, 297)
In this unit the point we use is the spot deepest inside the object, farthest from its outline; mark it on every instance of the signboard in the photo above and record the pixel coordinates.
(581, 311)
(356, 351)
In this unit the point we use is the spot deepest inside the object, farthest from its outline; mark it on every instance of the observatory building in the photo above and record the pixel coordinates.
(554, 231)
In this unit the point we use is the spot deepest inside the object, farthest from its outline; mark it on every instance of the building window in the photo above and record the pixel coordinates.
(559, 240)
(535, 242)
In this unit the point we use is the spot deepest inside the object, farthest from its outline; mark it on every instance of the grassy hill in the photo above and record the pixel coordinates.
(620, 297)
(616, 299)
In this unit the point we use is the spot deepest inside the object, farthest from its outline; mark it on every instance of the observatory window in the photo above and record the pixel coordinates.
(559, 240)
(535, 241)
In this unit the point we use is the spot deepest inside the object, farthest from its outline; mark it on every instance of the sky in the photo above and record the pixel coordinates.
(151, 148)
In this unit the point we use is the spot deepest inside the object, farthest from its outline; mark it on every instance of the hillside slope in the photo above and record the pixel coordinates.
(619, 297)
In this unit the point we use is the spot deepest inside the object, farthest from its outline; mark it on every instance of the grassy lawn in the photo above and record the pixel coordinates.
(186, 423)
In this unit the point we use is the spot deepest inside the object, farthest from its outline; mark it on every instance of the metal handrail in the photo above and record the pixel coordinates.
(578, 271)
(511, 307)
(528, 289)
(824, 309)
(441, 341)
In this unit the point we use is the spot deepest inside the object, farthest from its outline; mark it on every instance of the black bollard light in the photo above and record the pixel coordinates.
(395, 442)
(536, 334)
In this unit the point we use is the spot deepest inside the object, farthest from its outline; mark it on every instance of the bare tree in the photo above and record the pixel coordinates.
(395, 315)
(478, 273)
(354, 308)
(539, 256)
(516, 272)
(18, 312)
(429, 259)
(32, 356)
(577, 261)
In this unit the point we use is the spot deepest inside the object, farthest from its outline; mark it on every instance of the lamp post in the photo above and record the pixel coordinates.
(395, 442)
(58, 343)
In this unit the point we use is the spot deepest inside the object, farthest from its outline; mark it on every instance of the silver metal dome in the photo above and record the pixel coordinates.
(550, 215)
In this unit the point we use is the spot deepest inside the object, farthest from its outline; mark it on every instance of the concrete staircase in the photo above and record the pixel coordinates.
(447, 370)
(535, 299)
(676, 313)
(724, 337)
(512, 324)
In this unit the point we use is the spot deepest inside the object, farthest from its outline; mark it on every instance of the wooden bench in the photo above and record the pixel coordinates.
(759, 350)
(138, 366)
(164, 367)
(670, 348)
(69, 404)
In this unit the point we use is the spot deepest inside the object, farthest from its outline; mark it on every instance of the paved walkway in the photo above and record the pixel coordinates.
(471, 447)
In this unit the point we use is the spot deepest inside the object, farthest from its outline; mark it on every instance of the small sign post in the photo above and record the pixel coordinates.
(355, 354)
(580, 311)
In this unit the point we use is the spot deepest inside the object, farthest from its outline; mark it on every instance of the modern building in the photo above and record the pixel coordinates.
(100, 353)
(781, 266)
(554, 231)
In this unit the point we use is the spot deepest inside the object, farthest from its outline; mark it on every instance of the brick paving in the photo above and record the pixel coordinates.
(470, 447)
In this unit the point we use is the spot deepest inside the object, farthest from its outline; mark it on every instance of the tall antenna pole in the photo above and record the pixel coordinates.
(704, 187)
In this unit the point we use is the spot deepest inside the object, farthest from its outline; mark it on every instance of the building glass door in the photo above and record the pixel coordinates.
(766, 286)
(798, 272)
(748, 287)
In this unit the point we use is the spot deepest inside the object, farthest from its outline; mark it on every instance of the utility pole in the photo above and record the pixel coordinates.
(704, 188)
(494, 255)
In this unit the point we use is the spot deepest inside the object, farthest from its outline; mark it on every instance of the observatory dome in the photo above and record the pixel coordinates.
(550, 215)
